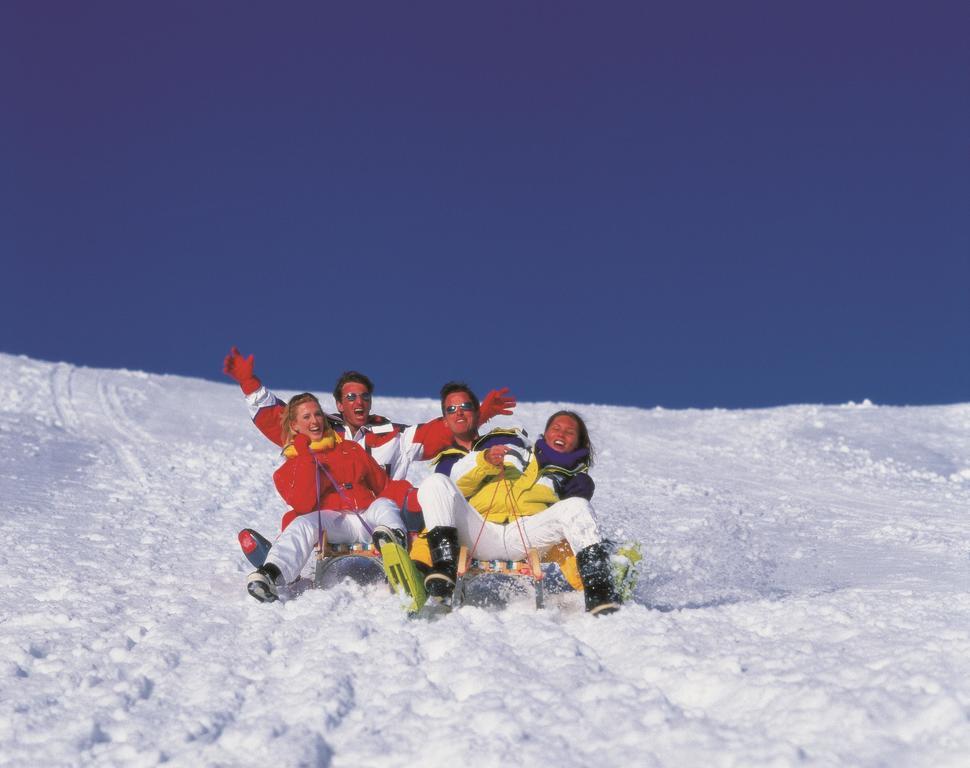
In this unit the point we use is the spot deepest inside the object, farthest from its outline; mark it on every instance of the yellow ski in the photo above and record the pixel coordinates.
(403, 575)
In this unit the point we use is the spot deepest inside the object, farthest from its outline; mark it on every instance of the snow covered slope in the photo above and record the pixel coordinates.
(806, 599)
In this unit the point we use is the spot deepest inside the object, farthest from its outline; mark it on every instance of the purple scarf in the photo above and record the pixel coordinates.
(547, 455)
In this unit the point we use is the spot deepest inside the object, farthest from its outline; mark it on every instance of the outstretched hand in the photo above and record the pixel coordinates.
(241, 369)
(498, 402)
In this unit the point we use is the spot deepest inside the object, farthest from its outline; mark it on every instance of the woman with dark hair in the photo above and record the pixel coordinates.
(333, 486)
(500, 496)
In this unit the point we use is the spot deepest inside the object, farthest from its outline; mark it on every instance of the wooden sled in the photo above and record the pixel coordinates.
(365, 555)
(469, 568)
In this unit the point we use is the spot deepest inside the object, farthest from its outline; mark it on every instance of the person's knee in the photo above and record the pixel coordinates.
(437, 495)
(386, 512)
(433, 486)
(576, 507)
(384, 506)
(578, 523)
(298, 527)
(436, 481)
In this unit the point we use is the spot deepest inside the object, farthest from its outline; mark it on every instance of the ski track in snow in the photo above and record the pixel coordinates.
(805, 598)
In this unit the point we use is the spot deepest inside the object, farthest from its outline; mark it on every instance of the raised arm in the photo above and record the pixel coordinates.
(265, 408)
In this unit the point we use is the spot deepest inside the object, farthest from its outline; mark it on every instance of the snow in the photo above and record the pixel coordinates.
(805, 597)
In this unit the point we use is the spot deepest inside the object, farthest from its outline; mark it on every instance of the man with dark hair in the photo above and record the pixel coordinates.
(351, 376)
(460, 410)
(457, 386)
(353, 393)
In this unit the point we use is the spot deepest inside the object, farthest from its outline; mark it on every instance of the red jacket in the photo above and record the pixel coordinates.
(306, 482)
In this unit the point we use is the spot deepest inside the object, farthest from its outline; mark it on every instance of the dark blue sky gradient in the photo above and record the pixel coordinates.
(714, 204)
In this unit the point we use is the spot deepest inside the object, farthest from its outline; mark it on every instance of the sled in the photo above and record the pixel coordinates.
(361, 562)
(625, 560)
(470, 568)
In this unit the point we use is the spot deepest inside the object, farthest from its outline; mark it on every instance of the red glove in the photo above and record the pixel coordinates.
(241, 369)
(496, 403)
(302, 444)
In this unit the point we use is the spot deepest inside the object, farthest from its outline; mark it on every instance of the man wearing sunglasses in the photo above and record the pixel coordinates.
(460, 410)
(462, 415)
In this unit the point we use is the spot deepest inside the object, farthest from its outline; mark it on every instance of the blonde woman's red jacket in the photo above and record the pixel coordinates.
(306, 481)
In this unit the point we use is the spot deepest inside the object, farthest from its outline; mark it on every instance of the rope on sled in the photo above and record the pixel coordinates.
(526, 544)
(523, 536)
(484, 516)
(344, 497)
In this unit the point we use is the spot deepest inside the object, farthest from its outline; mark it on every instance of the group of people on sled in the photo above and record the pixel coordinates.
(345, 475)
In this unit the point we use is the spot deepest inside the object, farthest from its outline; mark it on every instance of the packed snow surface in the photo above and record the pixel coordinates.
(805, 598)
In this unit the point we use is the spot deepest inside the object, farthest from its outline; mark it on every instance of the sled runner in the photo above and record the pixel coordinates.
(470, 568)
(391, 563)
(256, 547)
(625, 561)
(366, 564)
(364, 561)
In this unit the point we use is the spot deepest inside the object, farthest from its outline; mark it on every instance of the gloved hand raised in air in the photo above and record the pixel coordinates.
(241, 369)
(498, 402)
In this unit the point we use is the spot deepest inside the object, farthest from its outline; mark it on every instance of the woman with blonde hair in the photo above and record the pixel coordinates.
(333, 486)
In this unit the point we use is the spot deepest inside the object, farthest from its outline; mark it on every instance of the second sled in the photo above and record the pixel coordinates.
(470, 568)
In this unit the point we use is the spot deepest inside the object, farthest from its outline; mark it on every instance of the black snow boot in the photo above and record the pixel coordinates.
(262, 583)
(596, 571)
(443, 543)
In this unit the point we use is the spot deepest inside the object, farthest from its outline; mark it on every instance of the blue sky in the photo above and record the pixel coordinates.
(742, 204)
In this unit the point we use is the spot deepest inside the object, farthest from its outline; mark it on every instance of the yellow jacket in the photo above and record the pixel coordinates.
(499, 493)
(521, 486)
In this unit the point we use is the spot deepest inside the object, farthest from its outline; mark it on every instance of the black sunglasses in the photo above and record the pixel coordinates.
(351, 396)
(465, 406)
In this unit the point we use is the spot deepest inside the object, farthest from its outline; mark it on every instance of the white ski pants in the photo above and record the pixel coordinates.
(570, 520)
(294, 546)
